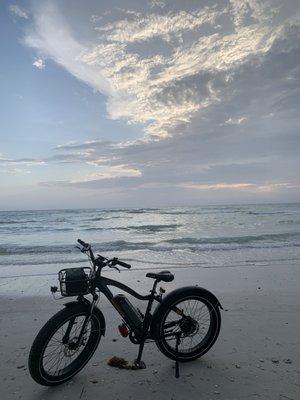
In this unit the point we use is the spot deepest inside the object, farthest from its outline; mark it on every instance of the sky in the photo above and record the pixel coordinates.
(148, 103)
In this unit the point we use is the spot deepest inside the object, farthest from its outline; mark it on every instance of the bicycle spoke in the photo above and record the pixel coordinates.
(58, 356)
(200, 317)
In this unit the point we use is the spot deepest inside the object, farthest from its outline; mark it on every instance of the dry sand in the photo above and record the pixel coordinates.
(257, 355)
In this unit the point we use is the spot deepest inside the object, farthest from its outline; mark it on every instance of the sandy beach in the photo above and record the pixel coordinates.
(257, 355)
(150, 136)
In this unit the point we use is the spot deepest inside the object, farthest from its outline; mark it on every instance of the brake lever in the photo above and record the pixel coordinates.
(82, 249)
(115, 268)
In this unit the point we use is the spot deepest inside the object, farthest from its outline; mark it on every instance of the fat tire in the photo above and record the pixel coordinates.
(213, 305)
(46, 333)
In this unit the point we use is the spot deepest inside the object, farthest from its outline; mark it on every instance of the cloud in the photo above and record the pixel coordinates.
(215, 89)
(167, 88)
(248, 11)
(110, 172)
(17, 11)
(39, 63)
(235, 121)
(155, 25)
(20, 161)
(52, 37)
(268, 187)
(157, 3)
(87, 145)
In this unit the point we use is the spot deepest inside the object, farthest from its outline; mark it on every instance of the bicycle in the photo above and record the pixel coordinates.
(185, 324)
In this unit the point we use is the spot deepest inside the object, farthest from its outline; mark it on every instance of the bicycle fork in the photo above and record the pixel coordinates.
(66, 337)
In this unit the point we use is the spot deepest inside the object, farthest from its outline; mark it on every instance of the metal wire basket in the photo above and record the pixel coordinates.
(74, 281)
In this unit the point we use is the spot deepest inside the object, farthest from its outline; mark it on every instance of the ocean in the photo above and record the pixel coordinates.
(42, 242)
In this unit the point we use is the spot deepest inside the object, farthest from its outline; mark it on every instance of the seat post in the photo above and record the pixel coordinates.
(154, 286)
(150, 302)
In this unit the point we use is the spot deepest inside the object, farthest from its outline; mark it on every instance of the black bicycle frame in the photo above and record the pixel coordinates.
(102, 284)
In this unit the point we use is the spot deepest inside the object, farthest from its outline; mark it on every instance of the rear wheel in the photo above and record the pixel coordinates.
(57, 354)
(198, 326)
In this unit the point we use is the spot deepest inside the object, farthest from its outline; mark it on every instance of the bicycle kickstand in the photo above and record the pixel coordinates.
(138, 363)
(178, 334)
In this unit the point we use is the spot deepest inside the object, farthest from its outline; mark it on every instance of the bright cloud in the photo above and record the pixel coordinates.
(153, 90)
(113, 172)
(235, 121)
(53, 38)
(39, 63)
(154, 25)
(241, 186)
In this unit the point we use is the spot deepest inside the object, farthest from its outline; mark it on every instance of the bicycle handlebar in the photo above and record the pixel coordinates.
(82, 243)
(123, 264)
(87, 247)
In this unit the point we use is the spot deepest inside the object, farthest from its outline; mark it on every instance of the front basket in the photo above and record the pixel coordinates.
(74, 281)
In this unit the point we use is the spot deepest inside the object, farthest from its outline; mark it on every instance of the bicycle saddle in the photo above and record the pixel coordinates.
(164, 276)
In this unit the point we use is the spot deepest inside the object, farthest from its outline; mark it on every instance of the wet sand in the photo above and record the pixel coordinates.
(257, 355)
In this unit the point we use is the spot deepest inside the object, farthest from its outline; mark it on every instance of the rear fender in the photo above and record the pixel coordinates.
(86, 305)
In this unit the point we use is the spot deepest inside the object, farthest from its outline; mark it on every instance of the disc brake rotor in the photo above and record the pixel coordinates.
(189, 326)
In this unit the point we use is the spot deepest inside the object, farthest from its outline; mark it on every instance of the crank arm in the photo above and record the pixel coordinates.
(170, 334)
(171, 324)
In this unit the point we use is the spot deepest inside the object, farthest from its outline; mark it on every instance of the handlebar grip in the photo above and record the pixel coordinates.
(123, 264)
(82, 243)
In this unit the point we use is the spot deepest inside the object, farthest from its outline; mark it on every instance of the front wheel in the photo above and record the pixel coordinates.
(193, 315)
(60, 350)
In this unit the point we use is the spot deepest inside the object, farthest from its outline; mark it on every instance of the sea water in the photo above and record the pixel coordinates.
(42, 242)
